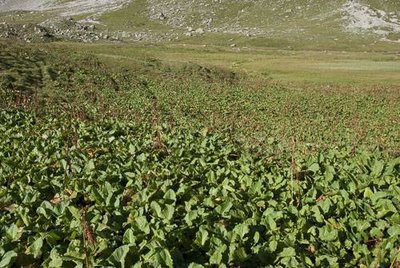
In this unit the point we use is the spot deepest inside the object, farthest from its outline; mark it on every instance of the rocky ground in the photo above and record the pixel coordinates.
(63, 8)
(72, 30)
(79, 20)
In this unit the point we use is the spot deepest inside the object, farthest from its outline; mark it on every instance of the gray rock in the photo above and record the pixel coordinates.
(199, 31)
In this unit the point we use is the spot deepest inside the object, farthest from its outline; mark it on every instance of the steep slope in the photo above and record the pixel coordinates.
(63, 8)
(9, 5)
(314, 22)
(281, 18)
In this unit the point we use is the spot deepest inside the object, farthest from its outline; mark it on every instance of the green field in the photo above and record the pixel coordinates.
(337, 102)
(185, 155)
(301, 66)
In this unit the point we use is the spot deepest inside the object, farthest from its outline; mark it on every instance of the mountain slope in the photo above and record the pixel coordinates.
(305, 18)
(62, 8)
(308, 21)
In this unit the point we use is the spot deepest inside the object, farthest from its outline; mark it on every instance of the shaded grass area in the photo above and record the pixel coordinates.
(141, 85)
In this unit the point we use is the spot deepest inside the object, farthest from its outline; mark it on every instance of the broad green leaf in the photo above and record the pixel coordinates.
(325, 205)
(314, 167)
(90, 166)
(273, 245)
(394, 231)
(241, 229)
(132, 149)
(368, 193)
(64, 164)
(142, 224)
(224, 207)
(378, 195)
(217, 255)
(156, 208)
(118, 257)
(141, 158)
(139, 264)
(165, 258)
(377, 233)
(317, 214)
(55, 259)
(35, 248)
(170, 195)
(377, 168)
(288, 252)
(270, 222)
(327, 233)
(191, 216)
(12, 232)
(8, 259)
(202, 235)
(168, 212)
(53, 237)
(129, 237)
(325, 260)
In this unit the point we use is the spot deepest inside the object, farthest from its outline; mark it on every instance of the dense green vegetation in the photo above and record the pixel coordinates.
(251, 108)
(75, 193)
(117, 161)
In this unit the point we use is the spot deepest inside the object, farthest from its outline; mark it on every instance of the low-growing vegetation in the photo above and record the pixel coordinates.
(161, 164)
(251, 109)
(117, 194)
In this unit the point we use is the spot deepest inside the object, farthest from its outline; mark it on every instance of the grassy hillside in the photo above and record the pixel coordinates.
(338, 25)
(303, 24)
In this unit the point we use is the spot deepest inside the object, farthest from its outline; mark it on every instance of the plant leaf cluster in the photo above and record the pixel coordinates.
(76, 193)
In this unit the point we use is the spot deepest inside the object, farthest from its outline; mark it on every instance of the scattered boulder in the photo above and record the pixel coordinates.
(199, 31)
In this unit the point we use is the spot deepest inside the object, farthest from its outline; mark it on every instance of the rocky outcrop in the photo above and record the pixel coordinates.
(79, 31)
